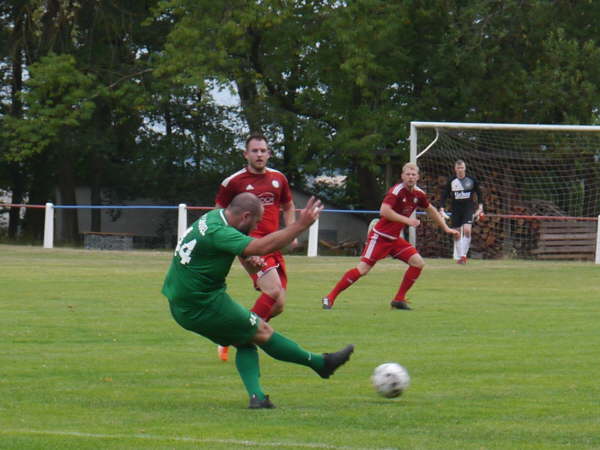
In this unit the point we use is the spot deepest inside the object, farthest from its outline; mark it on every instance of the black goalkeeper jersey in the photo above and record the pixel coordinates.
(461, 191)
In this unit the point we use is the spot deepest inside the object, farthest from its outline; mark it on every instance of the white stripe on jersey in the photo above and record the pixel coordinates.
(399, 187)
(226, 181)
(268, 169)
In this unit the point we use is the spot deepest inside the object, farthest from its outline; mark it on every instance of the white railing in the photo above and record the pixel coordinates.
(182, 208)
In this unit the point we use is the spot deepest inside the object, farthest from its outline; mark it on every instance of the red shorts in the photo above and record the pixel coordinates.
(273, 261)
(378, 247)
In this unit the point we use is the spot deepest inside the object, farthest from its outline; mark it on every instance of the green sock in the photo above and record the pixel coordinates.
(246, 361)
(284, 349)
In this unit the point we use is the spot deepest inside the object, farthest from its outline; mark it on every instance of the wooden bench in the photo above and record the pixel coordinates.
(99, 240)
(350, 247)
(566, 239)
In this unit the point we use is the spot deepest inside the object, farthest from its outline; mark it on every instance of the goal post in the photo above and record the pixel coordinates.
(540, 183)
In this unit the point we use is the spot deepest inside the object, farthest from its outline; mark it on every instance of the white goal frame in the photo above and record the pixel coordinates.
(492, 126)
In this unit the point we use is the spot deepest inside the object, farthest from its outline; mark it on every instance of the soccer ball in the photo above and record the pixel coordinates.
(390, 379)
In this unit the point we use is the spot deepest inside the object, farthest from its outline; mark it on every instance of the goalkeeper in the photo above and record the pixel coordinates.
(461, 190)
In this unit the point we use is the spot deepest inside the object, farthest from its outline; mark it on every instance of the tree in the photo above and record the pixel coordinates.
(338, 82)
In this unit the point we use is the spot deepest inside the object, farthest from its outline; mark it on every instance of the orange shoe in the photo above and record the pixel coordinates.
(462, 260)
(223, 353)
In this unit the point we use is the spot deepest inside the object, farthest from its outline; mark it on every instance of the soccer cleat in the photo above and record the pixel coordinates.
(400, 304)
(223, 352)
(335, 360)
(326, 303)
(265, 403)
(461, 260)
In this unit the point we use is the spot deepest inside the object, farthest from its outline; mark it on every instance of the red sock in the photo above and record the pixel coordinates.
(409, 279)
(262, 307)
(347, 279)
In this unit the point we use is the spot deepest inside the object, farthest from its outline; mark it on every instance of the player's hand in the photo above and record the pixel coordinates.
(478, 215)
(444, 215)
(294, 244)
(452, 231)
(311, 212)
(411, 222)
(253, 263)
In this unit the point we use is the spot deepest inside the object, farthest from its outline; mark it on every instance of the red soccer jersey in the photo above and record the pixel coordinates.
(271, 187)
(403, 202)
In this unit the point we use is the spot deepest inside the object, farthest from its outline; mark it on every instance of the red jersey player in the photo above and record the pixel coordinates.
(385, 239)
(271, 186)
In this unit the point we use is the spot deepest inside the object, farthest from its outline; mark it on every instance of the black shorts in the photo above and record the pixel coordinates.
(462, 214)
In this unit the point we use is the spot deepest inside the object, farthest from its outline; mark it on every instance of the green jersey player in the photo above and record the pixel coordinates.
(196, 289)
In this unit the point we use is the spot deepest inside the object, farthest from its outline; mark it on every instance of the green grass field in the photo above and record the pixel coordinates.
(502, 354)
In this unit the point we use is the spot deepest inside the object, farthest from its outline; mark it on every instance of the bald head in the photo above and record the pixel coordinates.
(246, 202)
(244, 212)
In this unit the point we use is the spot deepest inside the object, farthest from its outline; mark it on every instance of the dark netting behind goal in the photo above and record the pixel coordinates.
(541, 188)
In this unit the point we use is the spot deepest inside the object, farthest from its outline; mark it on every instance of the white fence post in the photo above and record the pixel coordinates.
(598, 242)
(412, 231)
(313, 239)
(181, 221)
(49, 226)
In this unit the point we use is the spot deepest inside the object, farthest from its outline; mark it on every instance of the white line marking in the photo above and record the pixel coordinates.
(151, 437)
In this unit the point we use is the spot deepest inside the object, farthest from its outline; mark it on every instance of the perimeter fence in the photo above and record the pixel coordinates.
(337, 232)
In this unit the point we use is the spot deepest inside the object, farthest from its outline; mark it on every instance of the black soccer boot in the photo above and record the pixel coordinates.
(265, 403)
(395, 304)
(335, 360)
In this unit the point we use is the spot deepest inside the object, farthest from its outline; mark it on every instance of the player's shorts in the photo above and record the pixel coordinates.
(222, 320)
(462, 214)
(273, 261)
(378, 247)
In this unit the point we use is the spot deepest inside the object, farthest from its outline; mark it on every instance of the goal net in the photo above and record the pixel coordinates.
(540, 183)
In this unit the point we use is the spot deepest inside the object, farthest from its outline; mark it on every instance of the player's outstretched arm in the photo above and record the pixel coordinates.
(281, 238)
(433, 213)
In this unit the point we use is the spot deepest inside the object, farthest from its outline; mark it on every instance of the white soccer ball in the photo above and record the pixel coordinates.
(390, 379)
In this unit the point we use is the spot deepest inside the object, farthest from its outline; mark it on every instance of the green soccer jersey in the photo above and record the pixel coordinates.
(202, 259)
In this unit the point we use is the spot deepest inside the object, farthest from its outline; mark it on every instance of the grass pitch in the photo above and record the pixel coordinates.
(502, 354)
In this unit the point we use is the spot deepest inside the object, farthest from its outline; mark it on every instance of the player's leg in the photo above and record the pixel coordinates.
(226, 322)
(456, 222)
(465, 241)
(375, 249)
(466, 220)
(280, 347)
(347, 280)
(404, 251)
(272, 282)
(247, 364)
(457, 241)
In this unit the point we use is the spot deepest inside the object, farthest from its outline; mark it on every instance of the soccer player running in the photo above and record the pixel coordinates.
(272, 188)
(385, 238)
(195, 287)
(461, 189)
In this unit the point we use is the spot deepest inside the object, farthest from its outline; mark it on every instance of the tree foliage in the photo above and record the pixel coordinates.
(118, 95)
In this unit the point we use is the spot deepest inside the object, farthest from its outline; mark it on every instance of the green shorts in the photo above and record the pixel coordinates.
(219, 319)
